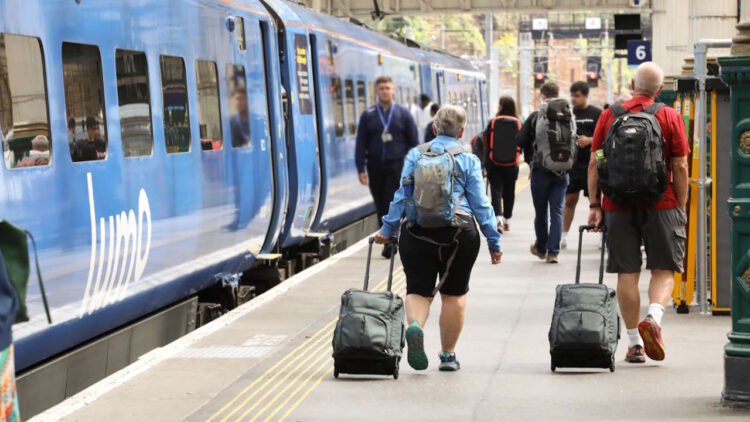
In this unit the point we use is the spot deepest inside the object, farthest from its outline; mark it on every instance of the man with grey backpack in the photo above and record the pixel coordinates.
(442, 197)
(549, 146)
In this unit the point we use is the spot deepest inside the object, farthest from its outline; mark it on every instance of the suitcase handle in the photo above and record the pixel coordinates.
(394, 244)
(582, 229)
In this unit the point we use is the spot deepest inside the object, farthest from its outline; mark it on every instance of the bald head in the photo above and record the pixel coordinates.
(648, 79)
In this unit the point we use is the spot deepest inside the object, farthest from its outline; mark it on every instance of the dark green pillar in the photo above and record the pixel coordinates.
(735, 71)
(668, 96)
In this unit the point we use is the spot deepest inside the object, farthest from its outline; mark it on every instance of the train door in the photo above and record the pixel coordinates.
(441, 92)
(320, 122)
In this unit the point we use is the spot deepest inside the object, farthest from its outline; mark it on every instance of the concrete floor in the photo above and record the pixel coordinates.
(274, 361)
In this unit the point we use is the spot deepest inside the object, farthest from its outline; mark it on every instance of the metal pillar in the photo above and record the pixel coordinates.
(735, 71)
(525, 73)
(611, 56)
(701, 49)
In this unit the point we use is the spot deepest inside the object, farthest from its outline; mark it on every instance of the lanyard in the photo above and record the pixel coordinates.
(383, 120)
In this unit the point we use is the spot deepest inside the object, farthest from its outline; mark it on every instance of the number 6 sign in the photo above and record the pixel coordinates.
(638, 52)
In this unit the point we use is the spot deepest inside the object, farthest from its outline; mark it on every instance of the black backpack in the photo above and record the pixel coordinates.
(502, 147)
(632, 170)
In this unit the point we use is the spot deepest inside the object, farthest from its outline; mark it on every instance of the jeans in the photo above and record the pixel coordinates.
(548, 192)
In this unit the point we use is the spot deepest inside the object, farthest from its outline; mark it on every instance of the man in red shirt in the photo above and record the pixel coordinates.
(660, 227)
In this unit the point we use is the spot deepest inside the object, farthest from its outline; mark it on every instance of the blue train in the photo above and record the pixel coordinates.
(150, 145)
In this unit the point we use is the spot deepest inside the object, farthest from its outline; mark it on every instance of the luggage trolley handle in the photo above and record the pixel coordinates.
(394, 245)
(582, 229)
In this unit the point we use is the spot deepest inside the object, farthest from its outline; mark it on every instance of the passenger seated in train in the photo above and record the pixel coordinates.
(39, 153)
(240, 122)
(93, 147)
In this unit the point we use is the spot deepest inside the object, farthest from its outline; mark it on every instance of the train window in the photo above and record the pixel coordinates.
(240, 30)
(135, 103)
(209, 114)
(23, 102)
(239, 112)
(176, 112)
(361, 99)
(84, 102)
(338, 106)
(349, 86)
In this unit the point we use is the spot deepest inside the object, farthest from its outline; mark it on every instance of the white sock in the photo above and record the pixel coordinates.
(565, 235)
(634, 339)
(506, 221)
(498, 219)
(656, 311)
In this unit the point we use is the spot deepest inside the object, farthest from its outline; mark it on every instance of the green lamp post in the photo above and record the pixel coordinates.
(735, 71)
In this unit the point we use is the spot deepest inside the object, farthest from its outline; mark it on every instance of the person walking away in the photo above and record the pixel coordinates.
(648, 208)
(385, 133)
(441, 195)
(502, 158)
(548, 143)
(421, 113)
(428, 132)
(586, 116)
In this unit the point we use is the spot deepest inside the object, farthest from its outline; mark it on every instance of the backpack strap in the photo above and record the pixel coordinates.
(618, 110)
(654, 108)
(424, 148)
(459, 149)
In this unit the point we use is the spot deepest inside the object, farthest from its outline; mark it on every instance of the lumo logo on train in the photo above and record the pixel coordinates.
(119, 252)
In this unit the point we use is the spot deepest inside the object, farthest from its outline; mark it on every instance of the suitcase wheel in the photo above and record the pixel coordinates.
(335, 372)
(612, 364)
(552, 366)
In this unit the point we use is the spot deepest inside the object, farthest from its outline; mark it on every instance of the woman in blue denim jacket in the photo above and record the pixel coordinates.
(446, 251)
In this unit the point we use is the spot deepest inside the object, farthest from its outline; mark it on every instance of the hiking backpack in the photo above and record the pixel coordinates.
(632, 169)
(432, 203)
(502, 148)
(555, 136)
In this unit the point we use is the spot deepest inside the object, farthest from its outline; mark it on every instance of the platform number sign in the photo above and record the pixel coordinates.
(303, 74)
(638, 52)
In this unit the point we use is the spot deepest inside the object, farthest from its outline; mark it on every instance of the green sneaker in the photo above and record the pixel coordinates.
(448, 362)
(415, 340)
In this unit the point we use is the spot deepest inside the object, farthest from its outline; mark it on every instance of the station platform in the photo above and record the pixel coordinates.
(270, 359)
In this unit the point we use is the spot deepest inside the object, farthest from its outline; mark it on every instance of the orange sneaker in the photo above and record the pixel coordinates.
(635, 355)
(651, 334)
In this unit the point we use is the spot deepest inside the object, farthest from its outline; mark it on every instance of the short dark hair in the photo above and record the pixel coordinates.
(424, 97)
(91, 122)
(550, 90)
(580, 86)
(434, 108)
(383, 80)
(71, 123)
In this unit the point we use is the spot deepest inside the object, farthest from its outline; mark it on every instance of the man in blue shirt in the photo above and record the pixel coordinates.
(385, 133)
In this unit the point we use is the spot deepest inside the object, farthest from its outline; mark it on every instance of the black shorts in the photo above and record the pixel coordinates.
(661, 232)
(424, 262)
(579, 181)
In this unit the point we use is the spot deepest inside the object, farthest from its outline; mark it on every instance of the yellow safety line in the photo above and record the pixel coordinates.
(299, 401)
(322, 369)
(307, 344)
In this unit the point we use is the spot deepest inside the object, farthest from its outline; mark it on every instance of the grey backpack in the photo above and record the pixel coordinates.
(555, 137)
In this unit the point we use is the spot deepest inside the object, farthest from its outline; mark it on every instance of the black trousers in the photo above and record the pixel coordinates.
(384, 179)
(502, 188)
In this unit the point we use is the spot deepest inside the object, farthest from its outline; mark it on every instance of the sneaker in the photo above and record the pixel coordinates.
(635, 355)
(552, 259)
(651, 334)
(501, 228)
(564, 243)
(415, 340)
(448, 362)
(506, 227)
(535, 252)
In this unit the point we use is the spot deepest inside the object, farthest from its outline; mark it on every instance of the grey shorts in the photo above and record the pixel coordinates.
(661, 232)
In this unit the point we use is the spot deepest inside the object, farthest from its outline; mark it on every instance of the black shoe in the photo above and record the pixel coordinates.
(387, 251)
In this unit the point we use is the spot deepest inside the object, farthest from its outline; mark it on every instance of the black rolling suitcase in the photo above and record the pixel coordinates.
(585, 323)
(369, 336)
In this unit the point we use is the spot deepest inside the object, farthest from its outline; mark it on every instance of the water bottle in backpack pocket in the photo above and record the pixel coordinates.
(555, 136)
(632, 168)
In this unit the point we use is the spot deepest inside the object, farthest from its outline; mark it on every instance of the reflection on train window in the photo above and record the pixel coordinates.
(349, 86)
(84, 102)
(135, 103)
(24, 121)
(371, 93)
(209, 114)
(361, 100)
(176, 112)
(239, 112)
(240, 30)
(338, 106)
